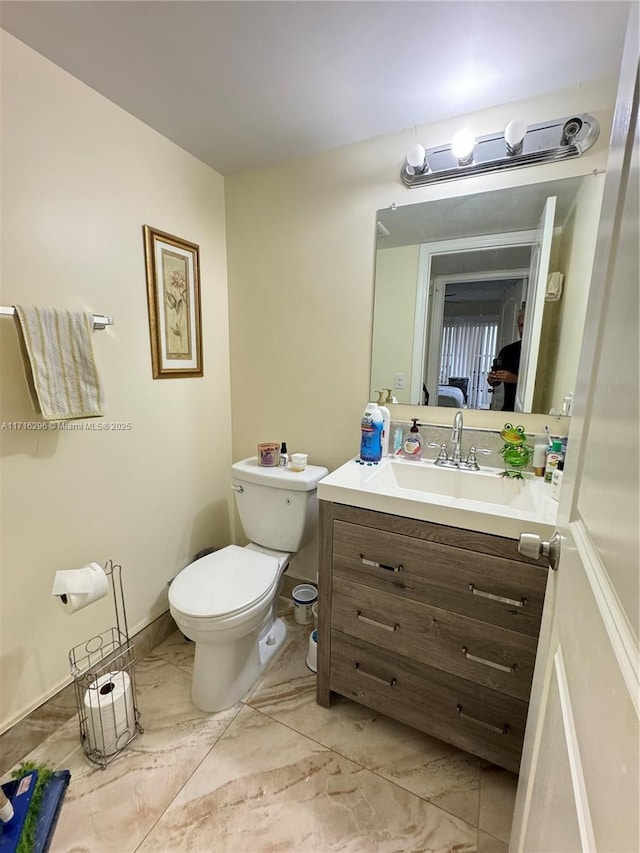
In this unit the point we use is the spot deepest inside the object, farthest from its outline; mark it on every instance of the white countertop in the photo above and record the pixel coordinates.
(473, 500)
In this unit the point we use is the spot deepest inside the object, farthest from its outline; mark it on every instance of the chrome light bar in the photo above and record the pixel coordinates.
(560, 139)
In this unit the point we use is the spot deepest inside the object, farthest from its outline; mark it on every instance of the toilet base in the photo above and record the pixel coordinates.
(271, 640)
(224, 672)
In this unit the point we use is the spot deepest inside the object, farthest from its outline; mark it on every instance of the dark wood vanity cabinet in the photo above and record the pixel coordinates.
(431, 625)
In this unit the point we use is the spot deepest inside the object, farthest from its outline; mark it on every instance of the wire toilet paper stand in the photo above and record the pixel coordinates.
(102, 669)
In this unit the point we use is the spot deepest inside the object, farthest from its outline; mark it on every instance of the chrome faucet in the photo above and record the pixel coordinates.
(450, 455)
(456, 438)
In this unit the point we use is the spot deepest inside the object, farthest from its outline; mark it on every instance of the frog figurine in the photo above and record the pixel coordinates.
(515, 450)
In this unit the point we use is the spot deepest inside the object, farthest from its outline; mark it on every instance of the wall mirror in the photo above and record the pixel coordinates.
(452, 277)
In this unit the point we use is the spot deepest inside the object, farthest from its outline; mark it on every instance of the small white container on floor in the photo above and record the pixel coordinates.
(312, 655)
(304, 597)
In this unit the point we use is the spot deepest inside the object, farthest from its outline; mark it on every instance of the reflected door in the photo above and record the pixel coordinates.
(534, 309)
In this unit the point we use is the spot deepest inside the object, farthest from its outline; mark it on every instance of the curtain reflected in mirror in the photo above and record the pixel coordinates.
(452, 278)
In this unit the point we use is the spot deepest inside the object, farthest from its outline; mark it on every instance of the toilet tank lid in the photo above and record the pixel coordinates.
(278, 478)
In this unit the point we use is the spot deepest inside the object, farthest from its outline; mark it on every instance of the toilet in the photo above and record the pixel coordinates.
(226, 601)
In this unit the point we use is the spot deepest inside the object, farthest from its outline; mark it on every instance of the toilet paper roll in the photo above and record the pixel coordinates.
(76, 588)
(109, 711)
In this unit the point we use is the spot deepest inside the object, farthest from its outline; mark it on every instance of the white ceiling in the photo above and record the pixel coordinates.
(246, 84)
(496, 212)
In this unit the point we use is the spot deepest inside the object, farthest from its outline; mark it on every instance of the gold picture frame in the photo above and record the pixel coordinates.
(173, 295)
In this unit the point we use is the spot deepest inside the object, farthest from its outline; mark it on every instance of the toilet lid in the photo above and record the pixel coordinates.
(223, 582)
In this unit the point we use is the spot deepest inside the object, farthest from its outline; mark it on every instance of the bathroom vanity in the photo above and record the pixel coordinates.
(433, 624)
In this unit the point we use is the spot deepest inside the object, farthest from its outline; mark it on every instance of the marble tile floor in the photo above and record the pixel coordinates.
(274, 773)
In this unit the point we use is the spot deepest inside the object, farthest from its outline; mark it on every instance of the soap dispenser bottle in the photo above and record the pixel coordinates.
(412, 445)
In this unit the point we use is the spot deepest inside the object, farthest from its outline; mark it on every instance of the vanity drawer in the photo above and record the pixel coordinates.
(483, 653)
(471, 717)
(482, 586)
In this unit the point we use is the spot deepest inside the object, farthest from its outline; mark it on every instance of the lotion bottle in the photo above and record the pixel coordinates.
(556, 481)
(553, 457)
(539, 459)
(386, 423)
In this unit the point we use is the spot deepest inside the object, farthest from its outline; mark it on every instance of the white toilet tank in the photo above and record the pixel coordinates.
(278, 507)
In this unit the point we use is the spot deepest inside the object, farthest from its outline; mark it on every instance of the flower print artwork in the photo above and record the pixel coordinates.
(176, 305)
(173, 296)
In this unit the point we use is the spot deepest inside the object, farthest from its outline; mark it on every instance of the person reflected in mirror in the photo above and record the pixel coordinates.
(505, 368)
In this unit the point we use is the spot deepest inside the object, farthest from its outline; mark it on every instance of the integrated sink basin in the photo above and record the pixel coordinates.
(486, 486)
(475, 500)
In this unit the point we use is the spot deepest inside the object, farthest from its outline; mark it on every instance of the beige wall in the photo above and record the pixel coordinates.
(79, 179)
(301, 249)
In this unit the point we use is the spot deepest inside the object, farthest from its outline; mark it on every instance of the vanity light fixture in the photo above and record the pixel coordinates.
(462, 146)
(519, 145)
(417, 159)
(514, 134)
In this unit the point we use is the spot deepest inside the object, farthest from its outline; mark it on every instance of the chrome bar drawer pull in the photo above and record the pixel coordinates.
(362, 618)
(486, 662)
(500, 598)
(500, 731)
(388, 682)
(376, 565)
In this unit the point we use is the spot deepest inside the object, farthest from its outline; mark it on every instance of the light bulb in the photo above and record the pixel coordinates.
(417, 158)
(514, 134)
(462, 146)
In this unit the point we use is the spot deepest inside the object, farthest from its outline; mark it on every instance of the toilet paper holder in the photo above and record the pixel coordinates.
(103, 674)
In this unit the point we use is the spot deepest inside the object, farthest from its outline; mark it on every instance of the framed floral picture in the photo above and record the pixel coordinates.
(173, 294)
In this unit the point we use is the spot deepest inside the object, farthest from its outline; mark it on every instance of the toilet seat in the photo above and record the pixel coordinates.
(224, 583)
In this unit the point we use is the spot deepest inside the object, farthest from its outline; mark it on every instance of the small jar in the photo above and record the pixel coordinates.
(268, 454)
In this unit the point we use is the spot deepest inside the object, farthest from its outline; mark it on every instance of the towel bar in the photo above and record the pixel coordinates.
(100, 321)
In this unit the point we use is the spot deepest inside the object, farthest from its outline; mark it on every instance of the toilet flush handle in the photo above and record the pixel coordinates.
(238, 488)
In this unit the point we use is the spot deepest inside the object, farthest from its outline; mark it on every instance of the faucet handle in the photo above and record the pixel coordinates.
(442, 456)
(472, 462)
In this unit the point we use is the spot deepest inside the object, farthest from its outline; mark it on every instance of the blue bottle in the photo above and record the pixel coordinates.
(371, 427)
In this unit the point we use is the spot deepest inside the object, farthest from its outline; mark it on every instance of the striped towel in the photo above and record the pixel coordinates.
(61, 372)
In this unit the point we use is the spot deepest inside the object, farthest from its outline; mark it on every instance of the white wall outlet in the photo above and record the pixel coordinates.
(400, 381)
